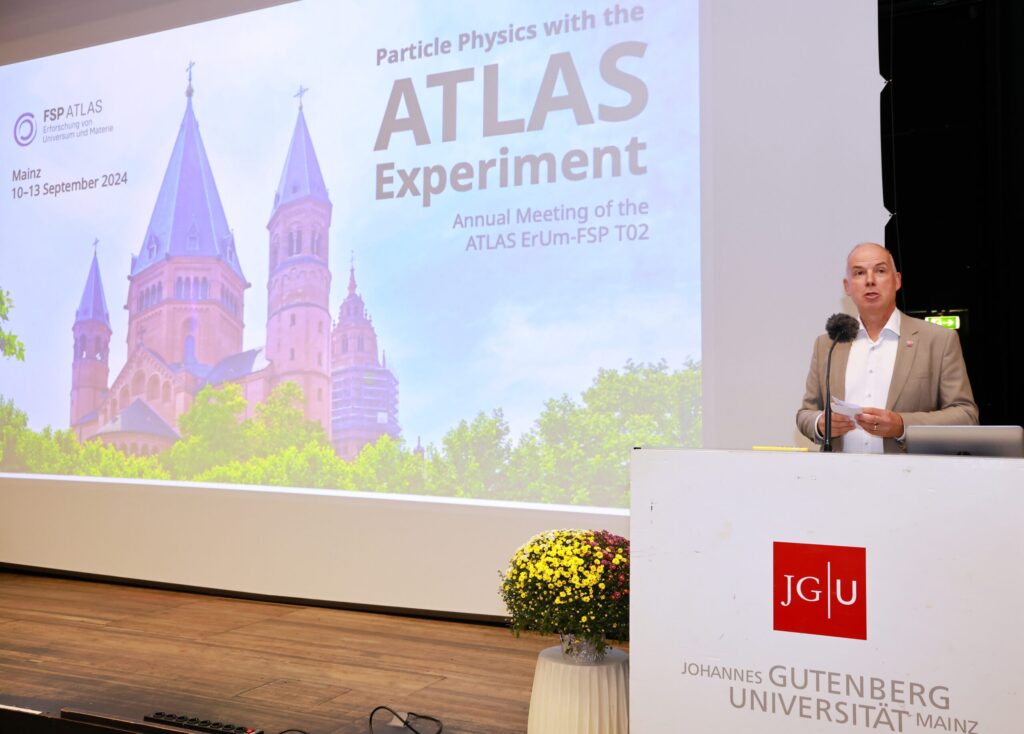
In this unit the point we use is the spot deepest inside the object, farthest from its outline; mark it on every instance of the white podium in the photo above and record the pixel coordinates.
(794, 593)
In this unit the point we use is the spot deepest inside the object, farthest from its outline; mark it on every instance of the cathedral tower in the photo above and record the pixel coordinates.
(185, 298)
(299, 285)
(365, 395)
(90, 367)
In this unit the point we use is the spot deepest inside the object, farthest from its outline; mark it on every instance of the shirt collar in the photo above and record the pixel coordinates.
(892, 326)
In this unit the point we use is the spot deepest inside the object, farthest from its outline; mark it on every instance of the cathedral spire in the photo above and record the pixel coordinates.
(93, 306)
(188, 219)
(301, 176)
(91, 340)
(299, 283)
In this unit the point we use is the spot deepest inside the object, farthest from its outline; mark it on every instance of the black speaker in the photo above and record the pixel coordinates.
(885, 121)
(951, 118)
(885, 11)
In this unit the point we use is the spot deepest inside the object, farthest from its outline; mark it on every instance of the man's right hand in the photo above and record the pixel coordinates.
(841, 425)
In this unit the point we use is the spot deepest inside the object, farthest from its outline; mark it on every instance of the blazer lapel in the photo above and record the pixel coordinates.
(906, 350)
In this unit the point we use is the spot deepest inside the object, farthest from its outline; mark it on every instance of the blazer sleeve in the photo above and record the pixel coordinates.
(953, 401)
(814, 400)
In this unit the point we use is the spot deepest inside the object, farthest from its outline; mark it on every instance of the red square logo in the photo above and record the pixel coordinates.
(820, 590)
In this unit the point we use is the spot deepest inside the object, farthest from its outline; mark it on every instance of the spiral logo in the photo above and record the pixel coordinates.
(25, 129)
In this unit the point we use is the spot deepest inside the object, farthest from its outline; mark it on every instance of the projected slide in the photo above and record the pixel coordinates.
(429, 248)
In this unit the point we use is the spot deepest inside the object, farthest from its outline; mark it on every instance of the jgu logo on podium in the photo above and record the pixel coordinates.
(820, 590)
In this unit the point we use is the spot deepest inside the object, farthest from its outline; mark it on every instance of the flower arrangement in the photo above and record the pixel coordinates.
(570, 582)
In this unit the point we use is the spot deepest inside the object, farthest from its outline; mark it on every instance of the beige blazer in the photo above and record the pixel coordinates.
(929, 381)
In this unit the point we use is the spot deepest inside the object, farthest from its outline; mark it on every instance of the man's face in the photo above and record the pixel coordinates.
(871, 281)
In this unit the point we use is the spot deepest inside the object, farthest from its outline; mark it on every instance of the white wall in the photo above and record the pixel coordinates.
(426, 553)
(791, 180)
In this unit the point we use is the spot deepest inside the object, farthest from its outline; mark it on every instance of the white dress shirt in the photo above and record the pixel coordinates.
(868, 374)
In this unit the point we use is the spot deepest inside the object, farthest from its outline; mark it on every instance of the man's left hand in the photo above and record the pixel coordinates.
(881, 422)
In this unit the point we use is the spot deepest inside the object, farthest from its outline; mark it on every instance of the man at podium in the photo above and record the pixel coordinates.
(896, 372)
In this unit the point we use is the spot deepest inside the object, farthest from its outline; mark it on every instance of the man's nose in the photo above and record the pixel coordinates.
(869, 277)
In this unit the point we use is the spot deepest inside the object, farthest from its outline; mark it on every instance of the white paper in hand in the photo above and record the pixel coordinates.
(844, 408)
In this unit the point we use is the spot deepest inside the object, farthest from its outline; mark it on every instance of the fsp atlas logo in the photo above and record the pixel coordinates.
(820, 590)
(25, 129)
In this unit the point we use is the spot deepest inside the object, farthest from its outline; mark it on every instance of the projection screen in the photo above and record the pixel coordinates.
(447, 251)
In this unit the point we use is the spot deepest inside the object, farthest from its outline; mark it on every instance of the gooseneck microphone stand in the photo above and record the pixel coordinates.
(826, 445)
(841, 328)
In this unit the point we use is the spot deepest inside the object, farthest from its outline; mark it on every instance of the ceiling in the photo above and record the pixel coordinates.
(34, 28)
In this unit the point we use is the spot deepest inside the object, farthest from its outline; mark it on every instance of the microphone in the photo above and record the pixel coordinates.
(841, 328)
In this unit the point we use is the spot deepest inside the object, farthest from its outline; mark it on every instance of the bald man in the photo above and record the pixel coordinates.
(900, 370)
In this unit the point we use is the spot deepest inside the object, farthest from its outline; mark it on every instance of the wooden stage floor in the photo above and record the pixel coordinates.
(130, 651)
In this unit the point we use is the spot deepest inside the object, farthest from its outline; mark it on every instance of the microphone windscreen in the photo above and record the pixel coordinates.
(842, 327)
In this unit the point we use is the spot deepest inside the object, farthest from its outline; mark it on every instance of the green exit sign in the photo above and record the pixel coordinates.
(950, 322)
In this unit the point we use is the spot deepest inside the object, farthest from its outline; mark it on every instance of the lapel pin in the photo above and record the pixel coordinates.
(910, 342)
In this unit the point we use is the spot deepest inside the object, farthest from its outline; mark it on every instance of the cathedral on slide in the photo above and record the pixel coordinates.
(185, 315)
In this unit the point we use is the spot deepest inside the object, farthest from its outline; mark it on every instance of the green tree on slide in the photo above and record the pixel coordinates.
(579, 453)
(59, 452)
(576, 452)
(213, 434)
(10, 345)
